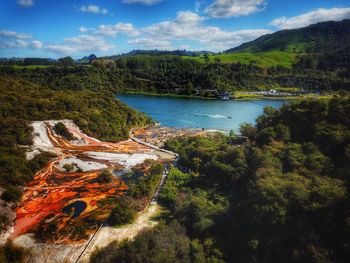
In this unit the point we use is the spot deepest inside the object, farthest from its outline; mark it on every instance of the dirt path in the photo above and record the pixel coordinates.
(109, 234)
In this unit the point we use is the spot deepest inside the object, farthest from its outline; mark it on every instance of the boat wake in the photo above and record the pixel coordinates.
(216, 116)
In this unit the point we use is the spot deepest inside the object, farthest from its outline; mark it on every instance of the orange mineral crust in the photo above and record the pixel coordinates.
(54, 191)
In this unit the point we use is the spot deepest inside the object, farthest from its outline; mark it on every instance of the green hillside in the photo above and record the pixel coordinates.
(261, 59)
(317, 44)
(317, 38)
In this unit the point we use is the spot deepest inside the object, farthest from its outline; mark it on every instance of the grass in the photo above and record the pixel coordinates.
(32, 67)
(264, 59)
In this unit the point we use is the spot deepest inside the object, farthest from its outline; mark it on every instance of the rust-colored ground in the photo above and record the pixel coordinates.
(52, 190)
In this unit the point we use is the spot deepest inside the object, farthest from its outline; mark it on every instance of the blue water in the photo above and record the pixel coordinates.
(197, 113)
(78, 207)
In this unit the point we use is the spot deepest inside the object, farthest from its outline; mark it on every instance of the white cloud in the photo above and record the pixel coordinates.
(188, 17)
(12, 39)
(13, 34)
(312, 17)
(150, 43)
(145, 2)
(189, 26)
(113, 30)
(234, 8)
(36, 44)
(82, 43)
(93, 9)
(85, 29)
(25, 3)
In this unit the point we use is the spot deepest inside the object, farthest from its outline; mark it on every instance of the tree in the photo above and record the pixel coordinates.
(105, 177)
(62, 130)
(206, 58)
(248, 130)
(66, 61)
(121, 214)
(196, 163)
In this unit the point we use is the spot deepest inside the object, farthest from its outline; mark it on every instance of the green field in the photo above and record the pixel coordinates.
(32, 67)
(264, 59)
(29, 66)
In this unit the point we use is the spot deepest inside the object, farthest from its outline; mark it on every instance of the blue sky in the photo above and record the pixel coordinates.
(50, 28)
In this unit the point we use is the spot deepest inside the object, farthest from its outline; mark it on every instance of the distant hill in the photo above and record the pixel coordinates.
(318, 38)
(155, 52)
(87, 59)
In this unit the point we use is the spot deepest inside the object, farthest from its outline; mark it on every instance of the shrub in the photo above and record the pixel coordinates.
(62, 130)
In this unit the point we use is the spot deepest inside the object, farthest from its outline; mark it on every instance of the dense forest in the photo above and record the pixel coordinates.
(281, 196)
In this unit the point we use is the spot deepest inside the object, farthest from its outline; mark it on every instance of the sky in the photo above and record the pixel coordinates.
(58, 28)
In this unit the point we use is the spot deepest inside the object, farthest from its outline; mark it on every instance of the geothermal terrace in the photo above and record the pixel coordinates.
(53, 188)
(62, 199)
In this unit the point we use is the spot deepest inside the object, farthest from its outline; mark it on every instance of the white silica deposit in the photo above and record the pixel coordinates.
(83, 165)
(41, 141)
(127, 160)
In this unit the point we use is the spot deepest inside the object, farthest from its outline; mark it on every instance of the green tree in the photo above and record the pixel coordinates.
(206, 58)
(66, 61)
(196, 162)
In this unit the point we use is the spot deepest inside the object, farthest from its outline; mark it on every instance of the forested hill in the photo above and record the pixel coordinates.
(282, 196)
(317, 38)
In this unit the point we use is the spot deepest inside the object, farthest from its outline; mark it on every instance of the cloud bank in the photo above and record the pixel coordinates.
(188, 26)
(81, 43)
(12, 39)
(312, 17)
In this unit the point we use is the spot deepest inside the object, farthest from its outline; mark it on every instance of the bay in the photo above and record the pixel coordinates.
(199, 113)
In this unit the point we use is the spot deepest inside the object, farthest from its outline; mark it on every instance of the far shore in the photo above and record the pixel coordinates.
(238, 98)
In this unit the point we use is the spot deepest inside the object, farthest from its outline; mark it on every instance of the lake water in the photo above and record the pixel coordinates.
(197, 113)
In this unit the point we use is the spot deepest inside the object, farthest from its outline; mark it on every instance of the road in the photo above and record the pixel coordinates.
(131, 136)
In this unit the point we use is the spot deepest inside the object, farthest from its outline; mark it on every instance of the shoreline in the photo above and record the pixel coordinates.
(243, 98)
(170, 95)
